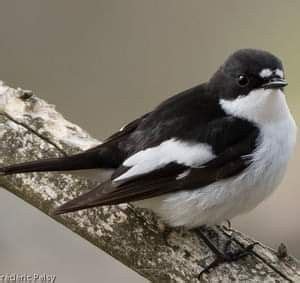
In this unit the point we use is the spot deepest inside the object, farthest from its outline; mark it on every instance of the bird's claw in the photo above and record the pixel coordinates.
(228, 257)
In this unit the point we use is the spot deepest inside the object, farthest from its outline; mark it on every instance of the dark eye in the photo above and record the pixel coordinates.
(242, 80)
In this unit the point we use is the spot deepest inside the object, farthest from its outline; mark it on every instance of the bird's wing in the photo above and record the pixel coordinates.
(186, 143)
(169, 178)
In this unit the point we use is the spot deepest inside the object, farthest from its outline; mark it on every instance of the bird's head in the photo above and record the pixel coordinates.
(247, 70)
(250, 84)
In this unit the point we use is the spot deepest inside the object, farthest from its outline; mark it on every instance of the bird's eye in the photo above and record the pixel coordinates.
(242, 80)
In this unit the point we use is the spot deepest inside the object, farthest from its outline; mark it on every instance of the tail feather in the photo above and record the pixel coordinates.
(85, 160)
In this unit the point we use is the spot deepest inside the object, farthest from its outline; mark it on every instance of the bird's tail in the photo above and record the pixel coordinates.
(85, 160)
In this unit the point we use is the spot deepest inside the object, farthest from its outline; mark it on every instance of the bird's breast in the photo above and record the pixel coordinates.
(275, 145)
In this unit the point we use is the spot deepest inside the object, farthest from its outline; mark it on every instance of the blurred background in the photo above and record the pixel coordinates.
(103, 63)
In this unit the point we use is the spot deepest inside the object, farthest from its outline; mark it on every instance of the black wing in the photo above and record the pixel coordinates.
(193, 116)
(230, 162)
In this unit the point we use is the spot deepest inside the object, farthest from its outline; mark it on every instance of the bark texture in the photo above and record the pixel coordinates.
(31, 129)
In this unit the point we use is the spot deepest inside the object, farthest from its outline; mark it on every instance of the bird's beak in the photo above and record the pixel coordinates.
(274, 83)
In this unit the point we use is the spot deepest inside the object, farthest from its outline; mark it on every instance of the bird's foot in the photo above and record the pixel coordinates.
(225, 256)
(228, 257)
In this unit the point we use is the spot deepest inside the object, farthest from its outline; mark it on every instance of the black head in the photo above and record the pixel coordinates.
(247, 70)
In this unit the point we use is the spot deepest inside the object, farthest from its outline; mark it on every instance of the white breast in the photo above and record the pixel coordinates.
(225, 199)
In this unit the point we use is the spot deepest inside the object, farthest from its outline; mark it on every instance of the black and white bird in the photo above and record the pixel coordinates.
(202, 156)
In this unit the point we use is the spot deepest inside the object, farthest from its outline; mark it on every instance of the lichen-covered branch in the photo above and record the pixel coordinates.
(31, 129)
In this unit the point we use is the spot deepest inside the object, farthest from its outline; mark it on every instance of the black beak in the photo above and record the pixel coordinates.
(274, 83)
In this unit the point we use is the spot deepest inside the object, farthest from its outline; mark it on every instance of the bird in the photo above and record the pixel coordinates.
(200, 157)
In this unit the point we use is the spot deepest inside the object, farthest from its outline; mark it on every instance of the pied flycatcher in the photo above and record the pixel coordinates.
(202, 156)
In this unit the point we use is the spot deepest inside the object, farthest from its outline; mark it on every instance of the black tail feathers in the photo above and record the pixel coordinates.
(85, 160)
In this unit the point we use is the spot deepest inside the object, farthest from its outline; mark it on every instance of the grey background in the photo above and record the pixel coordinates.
(105, 62)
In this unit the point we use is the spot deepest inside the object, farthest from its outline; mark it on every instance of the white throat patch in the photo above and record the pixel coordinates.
(260, 106)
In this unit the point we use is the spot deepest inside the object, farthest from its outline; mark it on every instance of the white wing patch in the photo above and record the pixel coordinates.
(172, 150)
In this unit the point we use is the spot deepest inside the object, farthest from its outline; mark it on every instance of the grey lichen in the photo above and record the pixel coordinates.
(31, 129)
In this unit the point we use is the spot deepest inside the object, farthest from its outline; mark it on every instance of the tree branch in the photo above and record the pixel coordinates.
(31, 129)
